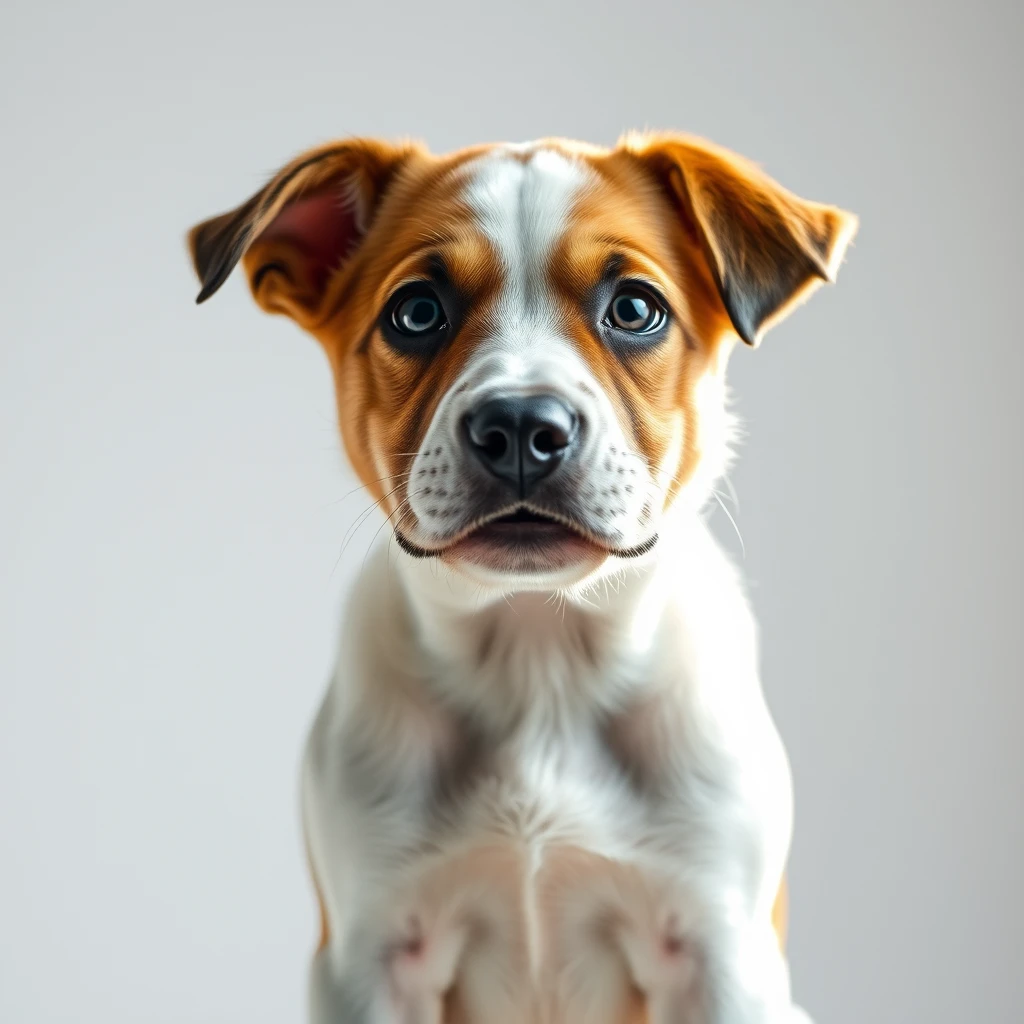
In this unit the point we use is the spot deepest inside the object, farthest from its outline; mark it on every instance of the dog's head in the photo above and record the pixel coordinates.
(528, 342)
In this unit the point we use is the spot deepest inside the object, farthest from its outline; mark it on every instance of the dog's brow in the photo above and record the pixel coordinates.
(633, 262)
(613, 266)
(437, 268)
(624, 251)
(428, 257)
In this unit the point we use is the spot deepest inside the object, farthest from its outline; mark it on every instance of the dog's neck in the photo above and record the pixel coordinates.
(585, 645)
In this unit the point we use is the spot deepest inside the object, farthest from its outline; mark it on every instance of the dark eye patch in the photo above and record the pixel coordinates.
(630, 315)
(422, 316)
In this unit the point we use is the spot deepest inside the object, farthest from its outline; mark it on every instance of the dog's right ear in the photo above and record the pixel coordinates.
(300, 228)
(766, 248)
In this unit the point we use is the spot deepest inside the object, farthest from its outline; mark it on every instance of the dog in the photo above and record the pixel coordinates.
(544, 785)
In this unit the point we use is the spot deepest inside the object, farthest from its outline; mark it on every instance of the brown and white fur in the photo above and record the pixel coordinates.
(543, 785)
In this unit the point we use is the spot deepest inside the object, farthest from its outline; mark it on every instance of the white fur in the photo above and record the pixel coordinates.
(542, 803)
(522, 208)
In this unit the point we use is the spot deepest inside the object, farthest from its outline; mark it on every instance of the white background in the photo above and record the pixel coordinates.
(171, 497)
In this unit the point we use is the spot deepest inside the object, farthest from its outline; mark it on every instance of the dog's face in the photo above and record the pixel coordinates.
(528, 342)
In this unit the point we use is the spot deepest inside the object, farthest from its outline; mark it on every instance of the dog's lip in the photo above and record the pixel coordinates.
(522, 516)
(525, 519)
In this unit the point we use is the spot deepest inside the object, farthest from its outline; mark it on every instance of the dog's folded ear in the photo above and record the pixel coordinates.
(767, 249)
(300, 227)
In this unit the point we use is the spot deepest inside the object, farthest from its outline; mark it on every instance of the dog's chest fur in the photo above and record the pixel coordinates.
(504, 765)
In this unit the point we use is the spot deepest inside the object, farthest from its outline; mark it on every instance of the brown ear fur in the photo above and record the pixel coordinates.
(299, 227)
(767, 249)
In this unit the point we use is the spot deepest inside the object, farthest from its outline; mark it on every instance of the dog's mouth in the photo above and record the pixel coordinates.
(523, 516)
(527, 540)
(528, 526)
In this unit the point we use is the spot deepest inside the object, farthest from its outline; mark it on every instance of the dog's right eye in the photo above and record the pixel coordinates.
(417, 312)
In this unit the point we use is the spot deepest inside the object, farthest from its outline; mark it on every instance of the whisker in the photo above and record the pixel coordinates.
(732, 491)
(379, 480)
(387, 520)
(725, 509)
(359, 520)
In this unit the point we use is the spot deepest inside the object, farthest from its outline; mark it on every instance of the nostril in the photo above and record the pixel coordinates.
(544, 443)
(495, 444)
(550, 439)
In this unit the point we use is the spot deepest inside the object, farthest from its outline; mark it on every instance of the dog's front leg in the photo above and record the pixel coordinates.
(698, 961)
(404, 982)
(742, 979)
(366, 806)
(376, 759)
(400, 987)
(729, 968)
(335, 999)
(719, 788)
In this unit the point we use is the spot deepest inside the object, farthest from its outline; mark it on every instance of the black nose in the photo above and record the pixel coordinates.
(522, 440)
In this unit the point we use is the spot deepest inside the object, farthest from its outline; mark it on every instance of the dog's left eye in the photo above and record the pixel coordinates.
(417, 313)
(636, 311)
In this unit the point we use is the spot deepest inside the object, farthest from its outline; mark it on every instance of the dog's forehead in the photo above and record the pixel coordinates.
(522, 198)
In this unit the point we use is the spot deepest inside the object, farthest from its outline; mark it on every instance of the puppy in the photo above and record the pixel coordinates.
(543, 785)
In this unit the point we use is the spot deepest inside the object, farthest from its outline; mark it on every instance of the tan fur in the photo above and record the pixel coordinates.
(659, 203)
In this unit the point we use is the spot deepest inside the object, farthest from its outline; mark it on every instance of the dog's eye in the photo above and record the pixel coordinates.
(636, 311)
(418, 313)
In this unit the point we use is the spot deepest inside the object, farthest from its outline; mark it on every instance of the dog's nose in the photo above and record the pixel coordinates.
(522, 440)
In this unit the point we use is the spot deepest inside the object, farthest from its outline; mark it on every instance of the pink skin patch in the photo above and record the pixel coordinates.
(322, 226)
(410, 948)
(423, 969)
(662, 963)
(673, 945)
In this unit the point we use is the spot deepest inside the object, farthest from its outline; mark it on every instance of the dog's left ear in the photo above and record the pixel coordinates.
(301, 227)
(767, 249)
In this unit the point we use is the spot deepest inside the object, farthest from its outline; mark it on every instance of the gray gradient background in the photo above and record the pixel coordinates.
(170, 518)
